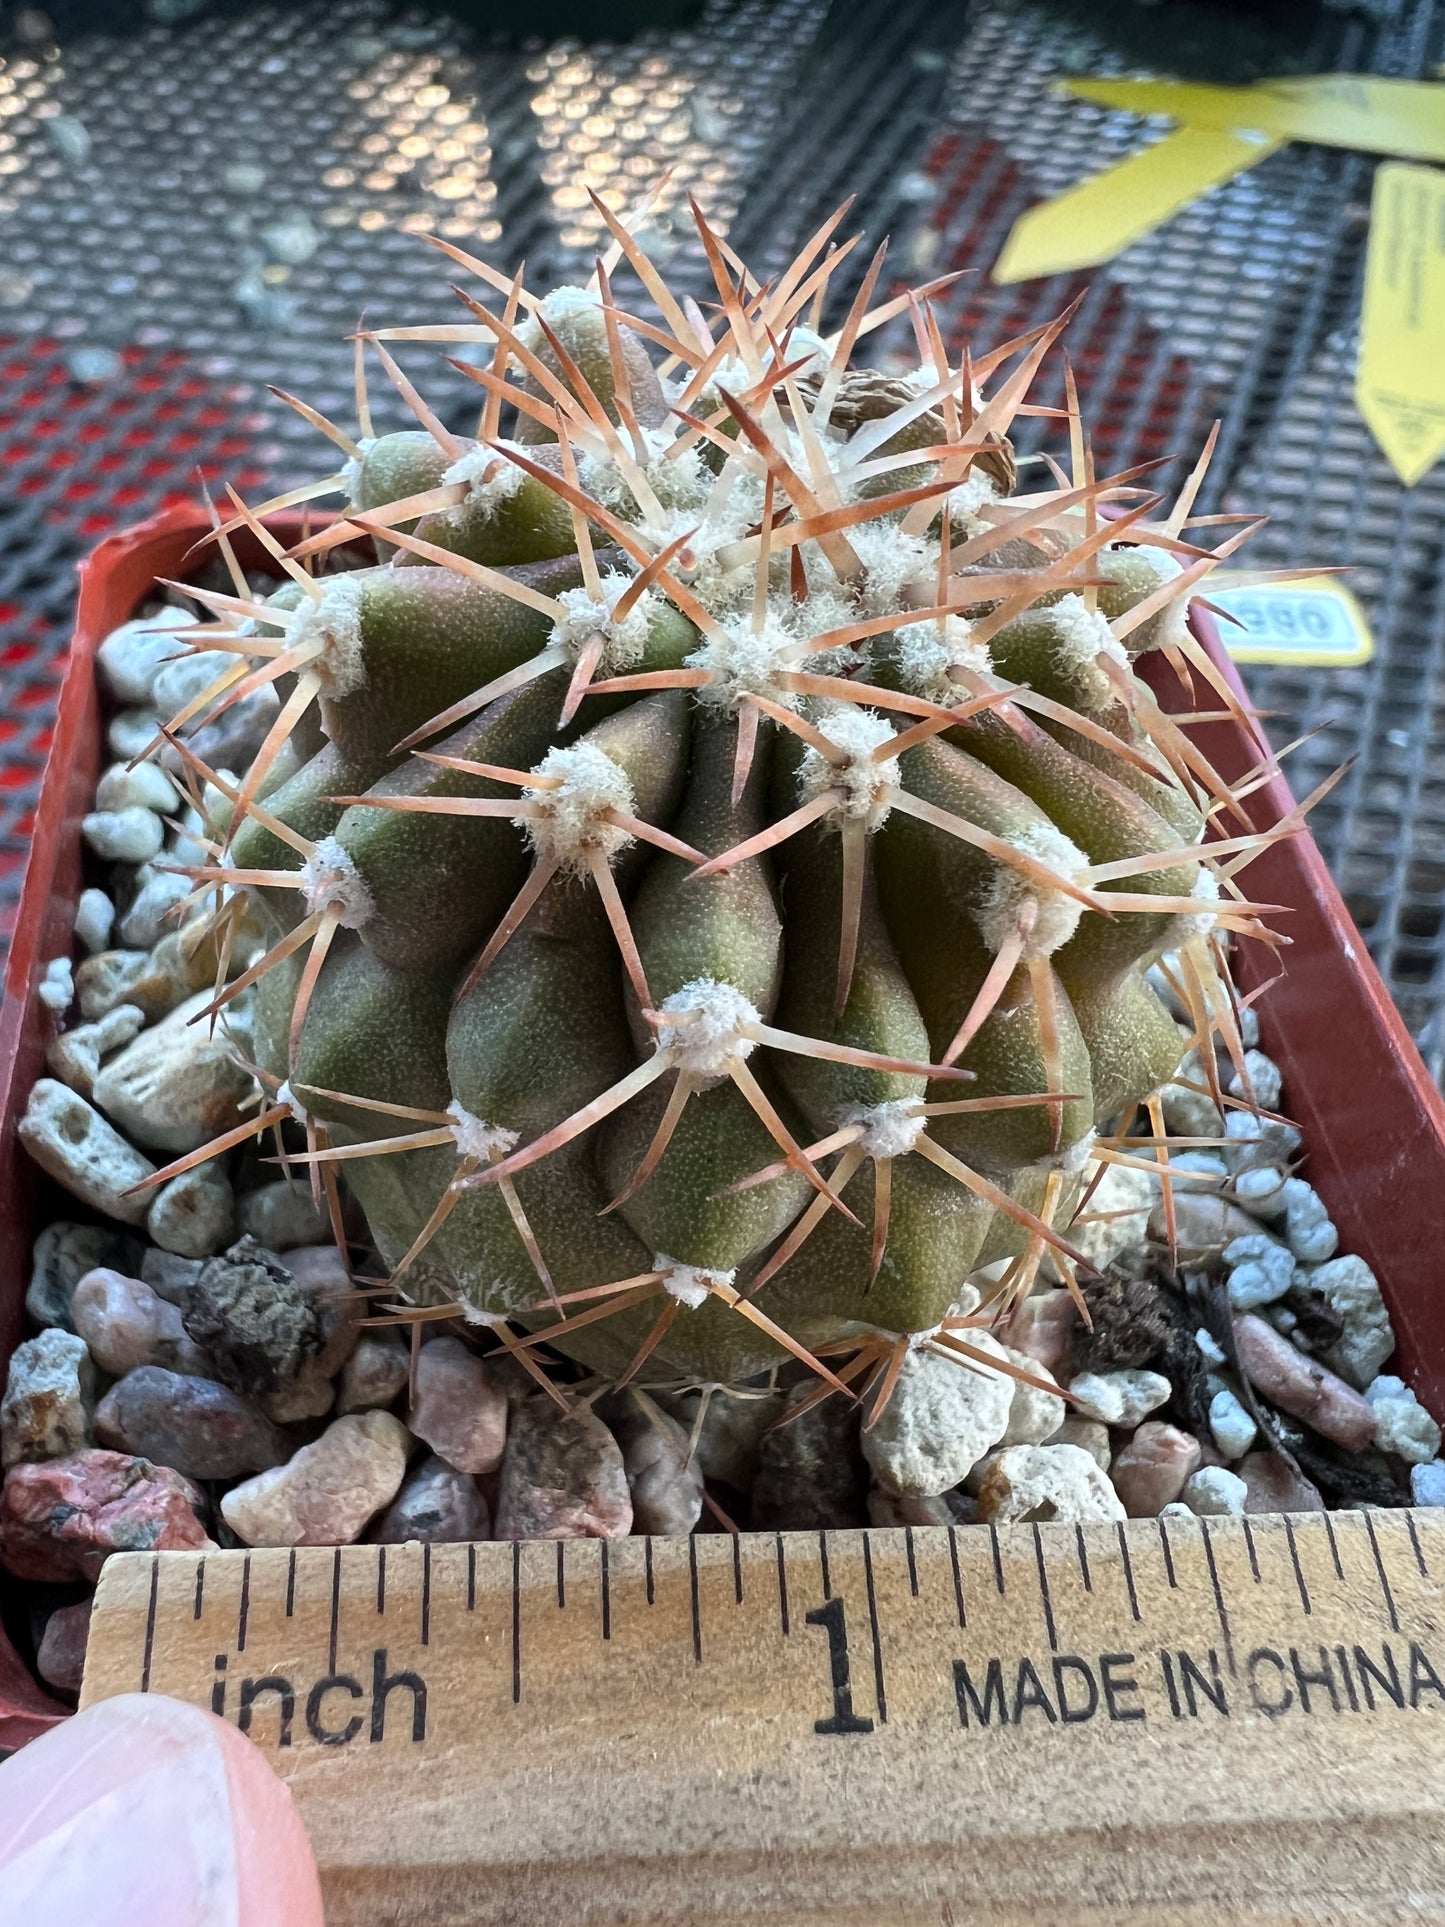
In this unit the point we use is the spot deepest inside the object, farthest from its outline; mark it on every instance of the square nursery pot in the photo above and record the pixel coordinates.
(1373, 1122)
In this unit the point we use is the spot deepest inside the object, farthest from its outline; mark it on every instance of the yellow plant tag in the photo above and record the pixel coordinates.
(1400, 379)
(1314, 623)
(1405, 118)
(1098, 219)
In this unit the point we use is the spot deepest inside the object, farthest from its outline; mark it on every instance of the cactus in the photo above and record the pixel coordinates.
(710, 863)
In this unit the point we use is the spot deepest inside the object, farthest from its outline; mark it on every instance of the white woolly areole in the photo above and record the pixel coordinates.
(740, 663)
(1072, 1161)
(868, 787)
(928, 653)
(332, 882)
(623, 642)
(478, 1139)
(285, 1095)
(965, 501)
(703, 1025)
(1080, 636)
(890, 1130)
(917, 1340)
(891, 560)
(485, 491)
(474, 1315)
(351, 468)
(690, 1285)
(1206, 890)
(1057, 916)
(329, 625)
(568, 301)
(570, 821)
(679, 482)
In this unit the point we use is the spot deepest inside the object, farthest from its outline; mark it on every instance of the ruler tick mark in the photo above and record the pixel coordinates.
(873, 1628)
(1168, 1557)
(957, 1575)
(145, 1670)
(1334, 1544)
(291, 1583)
(426, 1593)
(471, 1579)
(997, 1558)
(1253, 1555)
(335, 1606)
(1218, 1595)
(823, 1560)
(1415, 1546)
(606, 1594)
(200, 1588)
(782, 1583)
(1083, 1551)
(912, 1562)
(381, 1579)
(246, 1607)
(1128, 1570)
(1384, 1579)
(696, 1616)
(738, 1568)
(647, 1564)
(561, 1578)
(1044, 1592)
(1299, 1578)
(517, 1620)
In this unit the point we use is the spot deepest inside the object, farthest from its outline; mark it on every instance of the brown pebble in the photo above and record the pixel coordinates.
(60, 1660)
(562, 1477)
(436, 1504)
(193, 1425)
(1302, 1386)
(1204, 1223)
(63, 1519)
(1273, 1487)
(1042, 1327)
(1150, 1471)
(126, 1325)
(457, 1408)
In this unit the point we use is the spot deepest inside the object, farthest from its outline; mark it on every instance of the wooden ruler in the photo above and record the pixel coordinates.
(1165, 1722)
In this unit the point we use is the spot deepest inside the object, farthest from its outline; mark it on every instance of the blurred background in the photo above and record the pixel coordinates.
(201, 197)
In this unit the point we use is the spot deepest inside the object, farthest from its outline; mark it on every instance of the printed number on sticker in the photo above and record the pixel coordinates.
(1314, 622)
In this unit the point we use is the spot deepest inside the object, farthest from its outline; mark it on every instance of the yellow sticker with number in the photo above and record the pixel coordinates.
(1400, 381)
(1315, 623)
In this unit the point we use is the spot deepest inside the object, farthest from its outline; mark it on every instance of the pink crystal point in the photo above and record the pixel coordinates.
(143, 1812)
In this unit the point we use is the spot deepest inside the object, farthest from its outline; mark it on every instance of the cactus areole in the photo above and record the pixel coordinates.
(711, 863)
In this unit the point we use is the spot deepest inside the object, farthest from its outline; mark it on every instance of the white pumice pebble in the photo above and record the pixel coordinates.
(1230, 1426)
(1209, 1350)
(75, 1056)
(56, 989)
(1427, 1483)
(94, 921)
(1260, 1270)
(1402, 1425)
(131, 656)
(144, 787)
(1265, 1085)
(132, 835)
(1261, 1192)
(148, 919)
(1312, 1237)
(1351, 1290)
(1176, 1509)
(1257, 1140)
(180, 682)
(131, 732)
(1214, 1492)
(1249, 1027)
(1190, 1113)
(1119, 1398)
(1199, 1164)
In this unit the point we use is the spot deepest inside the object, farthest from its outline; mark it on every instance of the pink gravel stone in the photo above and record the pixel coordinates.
(1043, 1326)
(1302, 1386)
(459, 1409)
(62, 1520)
(562, 1478)
(144, 1810)
(61, 1658)
(1151, 1470)
(330, 1490)
(436, 1503)
(127, 1325)
(1272, 1487)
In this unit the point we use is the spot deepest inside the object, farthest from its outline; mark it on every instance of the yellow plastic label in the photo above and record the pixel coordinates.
(1224, 131)
(1315, 623)
(1098, 219)
(1400, 380)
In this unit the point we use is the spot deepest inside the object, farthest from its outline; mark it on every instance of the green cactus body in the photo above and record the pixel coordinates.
(671, 954)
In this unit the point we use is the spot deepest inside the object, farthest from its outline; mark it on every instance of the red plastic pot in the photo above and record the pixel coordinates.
(1373, 1123)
